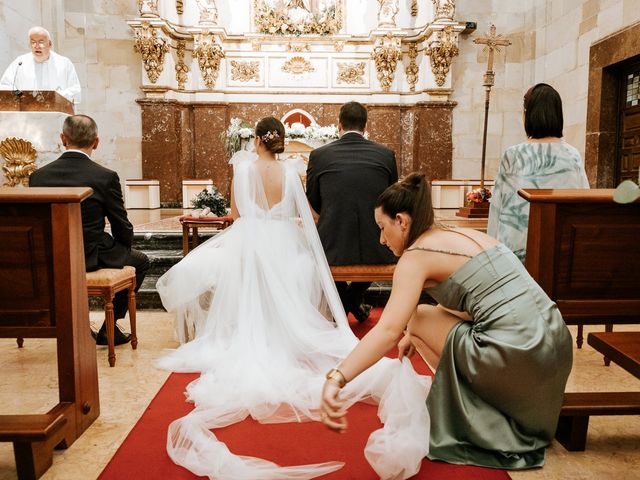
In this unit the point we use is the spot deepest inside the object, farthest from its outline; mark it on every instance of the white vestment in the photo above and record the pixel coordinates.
(56, 73)
(268, 324)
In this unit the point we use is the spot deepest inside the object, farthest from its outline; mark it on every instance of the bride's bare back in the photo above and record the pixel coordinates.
(272, 180)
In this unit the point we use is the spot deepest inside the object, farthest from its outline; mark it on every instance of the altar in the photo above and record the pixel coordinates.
(206, 63)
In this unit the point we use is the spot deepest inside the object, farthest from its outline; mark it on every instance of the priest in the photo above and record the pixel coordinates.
(42, 69)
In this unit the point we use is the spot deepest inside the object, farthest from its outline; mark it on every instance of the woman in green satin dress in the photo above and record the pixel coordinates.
(499, 346)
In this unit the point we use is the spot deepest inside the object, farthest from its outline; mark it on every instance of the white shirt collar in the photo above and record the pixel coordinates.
(352, 131)
(77, 151)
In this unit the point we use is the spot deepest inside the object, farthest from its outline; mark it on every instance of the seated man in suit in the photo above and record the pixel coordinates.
(75, 168)
(344, 180)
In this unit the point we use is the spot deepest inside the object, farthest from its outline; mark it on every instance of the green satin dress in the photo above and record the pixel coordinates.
(498, 389)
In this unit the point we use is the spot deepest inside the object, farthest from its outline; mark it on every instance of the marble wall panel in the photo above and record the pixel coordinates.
(162, 127)
(181, 141)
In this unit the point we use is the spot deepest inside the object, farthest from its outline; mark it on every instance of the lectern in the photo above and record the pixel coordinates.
(34, 101)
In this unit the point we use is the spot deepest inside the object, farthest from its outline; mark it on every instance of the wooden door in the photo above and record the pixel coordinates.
(628, 166)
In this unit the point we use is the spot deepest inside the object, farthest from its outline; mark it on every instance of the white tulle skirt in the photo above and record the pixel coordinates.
(252, 303)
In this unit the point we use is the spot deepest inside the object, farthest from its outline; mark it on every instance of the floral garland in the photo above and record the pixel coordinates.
(280, 21)
(238, 131)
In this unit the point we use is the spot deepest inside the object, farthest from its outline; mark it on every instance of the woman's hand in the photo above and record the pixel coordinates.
(331, 411)
(405, 347)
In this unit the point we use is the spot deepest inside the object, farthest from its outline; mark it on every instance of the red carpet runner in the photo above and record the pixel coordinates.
(143, 454)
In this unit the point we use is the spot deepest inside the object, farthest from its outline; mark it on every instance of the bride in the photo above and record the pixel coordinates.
(267, 324)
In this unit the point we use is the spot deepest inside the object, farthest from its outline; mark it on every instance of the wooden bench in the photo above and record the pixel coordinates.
(578, 407)
(43, 294)
(583, 250)
(363, 273)
(34, 437)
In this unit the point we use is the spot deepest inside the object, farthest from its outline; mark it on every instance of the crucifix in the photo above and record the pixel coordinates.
(492, 43)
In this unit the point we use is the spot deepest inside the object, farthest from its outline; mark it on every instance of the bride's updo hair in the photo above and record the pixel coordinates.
(412, 195)
(271, 132)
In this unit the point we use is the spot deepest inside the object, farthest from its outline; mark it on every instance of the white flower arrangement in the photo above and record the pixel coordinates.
(239, 131)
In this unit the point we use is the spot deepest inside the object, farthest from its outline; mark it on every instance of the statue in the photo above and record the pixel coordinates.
(208, 11)
(387, 13)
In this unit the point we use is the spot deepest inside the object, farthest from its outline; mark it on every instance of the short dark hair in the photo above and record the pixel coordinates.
(80, 130)
(271, 131)
(543, 112)
(353, 116)
(412, 196)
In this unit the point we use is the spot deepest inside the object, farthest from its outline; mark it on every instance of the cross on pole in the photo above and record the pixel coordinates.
(492, 42)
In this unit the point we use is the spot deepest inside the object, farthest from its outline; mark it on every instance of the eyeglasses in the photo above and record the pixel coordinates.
(39, 43)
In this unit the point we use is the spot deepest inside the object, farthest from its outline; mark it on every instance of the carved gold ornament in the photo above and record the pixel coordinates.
(441, 52)
(245, 71)
(182, 69)
(148, 8)
(152, 50)
(351, 73)
(297, 66)
(298, 47)
(256, 45)
(20, 161)
(386, 55)
(444, 9)
(209, 54)
(180, 7)
(338, 45)
(412, 70)
(414, 8)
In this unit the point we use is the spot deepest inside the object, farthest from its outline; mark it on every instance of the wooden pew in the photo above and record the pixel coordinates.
(584, 251)
(43, 294)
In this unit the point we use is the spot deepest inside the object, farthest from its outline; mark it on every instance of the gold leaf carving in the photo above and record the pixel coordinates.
(20, 160)
(297, 66)
(152, 50)
(298, 47)
(180, 7)
(414, 8)
(441, 52)
(411, 70)
(182, 69)
(209, 54)
(245, 71)
(386, 55)
(338, 45)
(351, 73)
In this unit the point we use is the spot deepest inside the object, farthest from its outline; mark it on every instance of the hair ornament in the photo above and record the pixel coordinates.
(270, 135)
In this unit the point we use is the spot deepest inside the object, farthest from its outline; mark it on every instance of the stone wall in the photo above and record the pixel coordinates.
(95, 36)
(551, 43)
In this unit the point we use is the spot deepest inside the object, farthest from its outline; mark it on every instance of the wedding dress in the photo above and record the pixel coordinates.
(267, 324)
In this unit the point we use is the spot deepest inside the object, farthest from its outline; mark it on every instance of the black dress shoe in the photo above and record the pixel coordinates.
(362, 312)
(119, 337)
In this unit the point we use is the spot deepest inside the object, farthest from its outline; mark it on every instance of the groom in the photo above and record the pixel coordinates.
(344, 180)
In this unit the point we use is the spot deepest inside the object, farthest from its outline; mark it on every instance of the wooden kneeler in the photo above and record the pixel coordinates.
(105, 283)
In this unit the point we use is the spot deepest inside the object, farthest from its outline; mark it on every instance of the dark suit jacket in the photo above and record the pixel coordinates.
(344, 180)
(75, 169)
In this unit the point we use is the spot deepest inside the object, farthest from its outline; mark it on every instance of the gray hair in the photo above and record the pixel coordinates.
(40, 30)
(80, 130)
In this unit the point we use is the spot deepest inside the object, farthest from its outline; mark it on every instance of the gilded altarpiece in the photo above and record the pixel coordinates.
(204, 62)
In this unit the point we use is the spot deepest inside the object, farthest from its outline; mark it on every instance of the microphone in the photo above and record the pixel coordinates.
(16, 91)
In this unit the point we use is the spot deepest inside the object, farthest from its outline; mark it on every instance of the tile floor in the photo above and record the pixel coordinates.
(28, 384)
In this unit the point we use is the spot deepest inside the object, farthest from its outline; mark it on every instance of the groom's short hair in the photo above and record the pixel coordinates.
(353, 116)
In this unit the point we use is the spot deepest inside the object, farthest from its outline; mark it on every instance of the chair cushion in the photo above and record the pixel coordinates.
(108, 276)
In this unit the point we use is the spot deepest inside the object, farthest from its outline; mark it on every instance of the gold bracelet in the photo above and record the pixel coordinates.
(338, 376)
